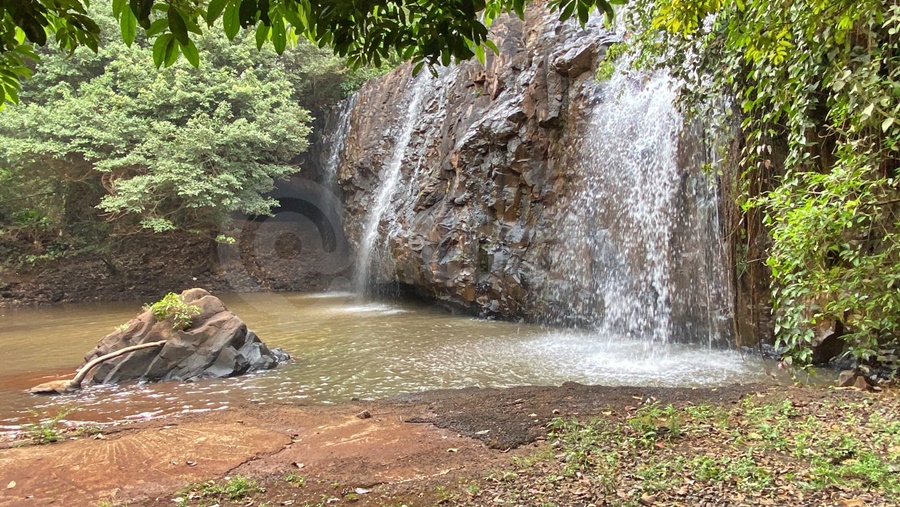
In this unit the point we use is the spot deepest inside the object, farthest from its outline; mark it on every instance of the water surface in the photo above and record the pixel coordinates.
(344, 349)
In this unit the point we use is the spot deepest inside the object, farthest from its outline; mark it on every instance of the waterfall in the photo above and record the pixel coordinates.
(369, 239)
(640, 250)
(335, 141)
(601, 219)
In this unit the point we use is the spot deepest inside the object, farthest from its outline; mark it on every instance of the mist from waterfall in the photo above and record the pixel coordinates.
(370, 243)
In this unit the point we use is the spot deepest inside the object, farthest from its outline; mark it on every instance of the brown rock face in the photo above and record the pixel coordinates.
(495, 179)
(854, 378)
(488, 159)
(217, 344)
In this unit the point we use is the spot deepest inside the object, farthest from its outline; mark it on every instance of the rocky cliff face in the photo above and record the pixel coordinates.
(494, 206)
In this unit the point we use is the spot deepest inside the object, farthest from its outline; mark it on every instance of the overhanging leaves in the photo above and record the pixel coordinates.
(365, 32)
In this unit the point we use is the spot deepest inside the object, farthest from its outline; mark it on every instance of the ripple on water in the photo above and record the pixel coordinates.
(346, 349)
(376, 308)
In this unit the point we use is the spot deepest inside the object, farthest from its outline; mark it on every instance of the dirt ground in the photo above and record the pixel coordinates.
(398, 451)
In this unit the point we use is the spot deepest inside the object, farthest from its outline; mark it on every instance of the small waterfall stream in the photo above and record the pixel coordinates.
(335, 140)
(370, 238)
(627, 246)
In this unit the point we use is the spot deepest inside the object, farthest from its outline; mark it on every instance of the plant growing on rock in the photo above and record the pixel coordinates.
(172, 306)
(814, 84)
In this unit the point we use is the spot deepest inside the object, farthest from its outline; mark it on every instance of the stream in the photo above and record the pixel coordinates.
(343, 349)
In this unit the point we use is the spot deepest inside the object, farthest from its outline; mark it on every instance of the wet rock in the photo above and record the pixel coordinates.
(514, 200)
(829, 343)
(217, 344)
(485, 173)
(854, 378)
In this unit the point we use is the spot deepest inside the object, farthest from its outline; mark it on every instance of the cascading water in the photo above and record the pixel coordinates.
(370, 239)
(335, 141)
(640, 230)
(584, 208)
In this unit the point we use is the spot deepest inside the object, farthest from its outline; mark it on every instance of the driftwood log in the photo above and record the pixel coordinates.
(68, 386)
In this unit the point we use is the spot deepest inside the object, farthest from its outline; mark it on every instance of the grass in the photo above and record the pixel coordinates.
(111, 503)
(46, 431)
(759, 451)
(296, 480)
(233, 489)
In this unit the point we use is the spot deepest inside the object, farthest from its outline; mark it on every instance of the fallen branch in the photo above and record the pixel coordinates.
(68, 386)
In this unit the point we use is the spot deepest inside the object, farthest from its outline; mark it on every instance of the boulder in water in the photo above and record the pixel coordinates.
(216, 344)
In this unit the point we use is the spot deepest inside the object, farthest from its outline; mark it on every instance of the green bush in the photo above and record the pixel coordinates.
(107, 135)
(172, 306)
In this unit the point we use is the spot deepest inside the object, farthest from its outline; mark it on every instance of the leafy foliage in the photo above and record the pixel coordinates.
(817, 85)
(26, 23)
(367, 32)
(172, 306)
(40, 218)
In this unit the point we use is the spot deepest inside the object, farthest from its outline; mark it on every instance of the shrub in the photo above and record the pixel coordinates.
(172, 306)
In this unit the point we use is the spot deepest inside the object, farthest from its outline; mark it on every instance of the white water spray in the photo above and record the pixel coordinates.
(336, 140)
(632, 246)
(369, 240)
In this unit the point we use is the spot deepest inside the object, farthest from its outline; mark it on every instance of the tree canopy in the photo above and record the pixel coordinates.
(158, 149)
(363, 31)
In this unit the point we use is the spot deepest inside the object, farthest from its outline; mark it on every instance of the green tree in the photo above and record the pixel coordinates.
(177, 148)
(364, 31)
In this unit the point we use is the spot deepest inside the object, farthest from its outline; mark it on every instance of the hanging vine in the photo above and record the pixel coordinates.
(816, 85)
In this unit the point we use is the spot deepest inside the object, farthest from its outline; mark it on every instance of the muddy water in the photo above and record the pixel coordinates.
(343, 349)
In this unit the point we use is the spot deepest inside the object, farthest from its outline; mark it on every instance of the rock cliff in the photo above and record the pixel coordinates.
(500, 203)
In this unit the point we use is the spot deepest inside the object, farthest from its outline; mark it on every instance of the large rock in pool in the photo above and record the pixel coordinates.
(216, 344)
